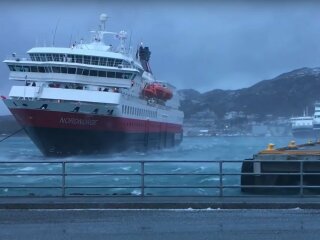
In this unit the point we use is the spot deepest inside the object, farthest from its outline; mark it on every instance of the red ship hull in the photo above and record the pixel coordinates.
(64, 133)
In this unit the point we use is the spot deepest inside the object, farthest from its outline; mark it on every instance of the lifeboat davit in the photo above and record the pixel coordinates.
(157, 90)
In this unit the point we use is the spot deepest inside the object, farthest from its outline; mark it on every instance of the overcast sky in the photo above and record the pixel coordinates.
(195, 44)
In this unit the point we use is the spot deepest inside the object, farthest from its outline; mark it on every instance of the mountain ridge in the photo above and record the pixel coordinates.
(285, 95)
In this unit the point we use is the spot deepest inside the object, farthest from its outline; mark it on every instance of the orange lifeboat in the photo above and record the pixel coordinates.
(157, 90)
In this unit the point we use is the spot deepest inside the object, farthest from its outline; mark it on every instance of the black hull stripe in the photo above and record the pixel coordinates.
(64, 142)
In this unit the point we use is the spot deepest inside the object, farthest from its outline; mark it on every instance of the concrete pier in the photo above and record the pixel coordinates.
(250, 202)
(293, 224)
(148, 218)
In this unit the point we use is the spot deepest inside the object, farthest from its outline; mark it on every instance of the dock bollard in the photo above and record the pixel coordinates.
(292, 144)
(270, 147)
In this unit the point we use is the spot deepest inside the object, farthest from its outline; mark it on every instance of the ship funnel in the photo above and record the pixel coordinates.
(144, 56)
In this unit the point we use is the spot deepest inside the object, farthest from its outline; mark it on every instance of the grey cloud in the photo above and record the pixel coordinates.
(195, 44)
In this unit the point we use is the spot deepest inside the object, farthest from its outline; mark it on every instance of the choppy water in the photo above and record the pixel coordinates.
(192, 148)
(195, 149)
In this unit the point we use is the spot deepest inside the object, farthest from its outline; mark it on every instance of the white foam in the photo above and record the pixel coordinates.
(27, 169)
(126, 168)
(136, 192)
(176, 170)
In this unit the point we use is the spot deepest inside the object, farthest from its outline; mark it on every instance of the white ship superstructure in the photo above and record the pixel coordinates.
(302, 127)
(316, 118)
(92, 97)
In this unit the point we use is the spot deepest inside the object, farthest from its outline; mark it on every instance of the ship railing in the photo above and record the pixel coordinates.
(216, 178)
(89, 61)
(18, 58)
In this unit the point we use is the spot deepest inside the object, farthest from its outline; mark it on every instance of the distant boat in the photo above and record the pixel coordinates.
(302, 127)
(316, 119)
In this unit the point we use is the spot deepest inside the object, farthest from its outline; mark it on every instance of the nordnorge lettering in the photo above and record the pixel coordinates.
(77, 121)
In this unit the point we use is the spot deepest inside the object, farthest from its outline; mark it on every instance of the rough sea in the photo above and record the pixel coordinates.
(81, 178)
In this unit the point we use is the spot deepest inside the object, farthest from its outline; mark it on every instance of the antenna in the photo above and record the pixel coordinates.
(55, 31)
(70, 40)
(103, 20)
(130, 42)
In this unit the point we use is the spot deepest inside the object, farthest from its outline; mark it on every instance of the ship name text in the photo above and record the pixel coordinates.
(77, 121)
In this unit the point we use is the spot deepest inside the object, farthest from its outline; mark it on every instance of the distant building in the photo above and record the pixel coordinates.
(233, 115)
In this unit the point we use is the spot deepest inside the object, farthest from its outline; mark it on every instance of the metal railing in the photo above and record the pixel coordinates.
(218, 178)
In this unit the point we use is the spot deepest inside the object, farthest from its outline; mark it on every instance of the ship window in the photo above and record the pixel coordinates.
(133, 76)
(37, 57)
(85, 72)
(126, 75)
(71, 70)
(44, 106)
(93, 73)
(103, 61)
(48, 69)
(79, 71)
(86, 59)
(41, 69)
(34, 69)
(11, 68)
(64, 70)
(32, 57)
(17, 68)
(49, 57)
(119, 75)
(102, 74)
(125, 64)
(118, 62)
(76, 109)
(110, 62)
(62, 57)
(111, 74)
(55, 57)
(42, 57)
(95, 60)
(79, 58)
(56, 69)
(71, 58)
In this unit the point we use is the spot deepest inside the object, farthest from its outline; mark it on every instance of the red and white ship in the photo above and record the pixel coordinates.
(92, 98)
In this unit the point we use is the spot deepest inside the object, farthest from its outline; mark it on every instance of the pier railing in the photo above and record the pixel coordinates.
(216, 178)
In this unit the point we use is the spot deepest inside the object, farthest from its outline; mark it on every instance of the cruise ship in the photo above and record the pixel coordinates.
(316, 119)
(93, 98)
(302, 127)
